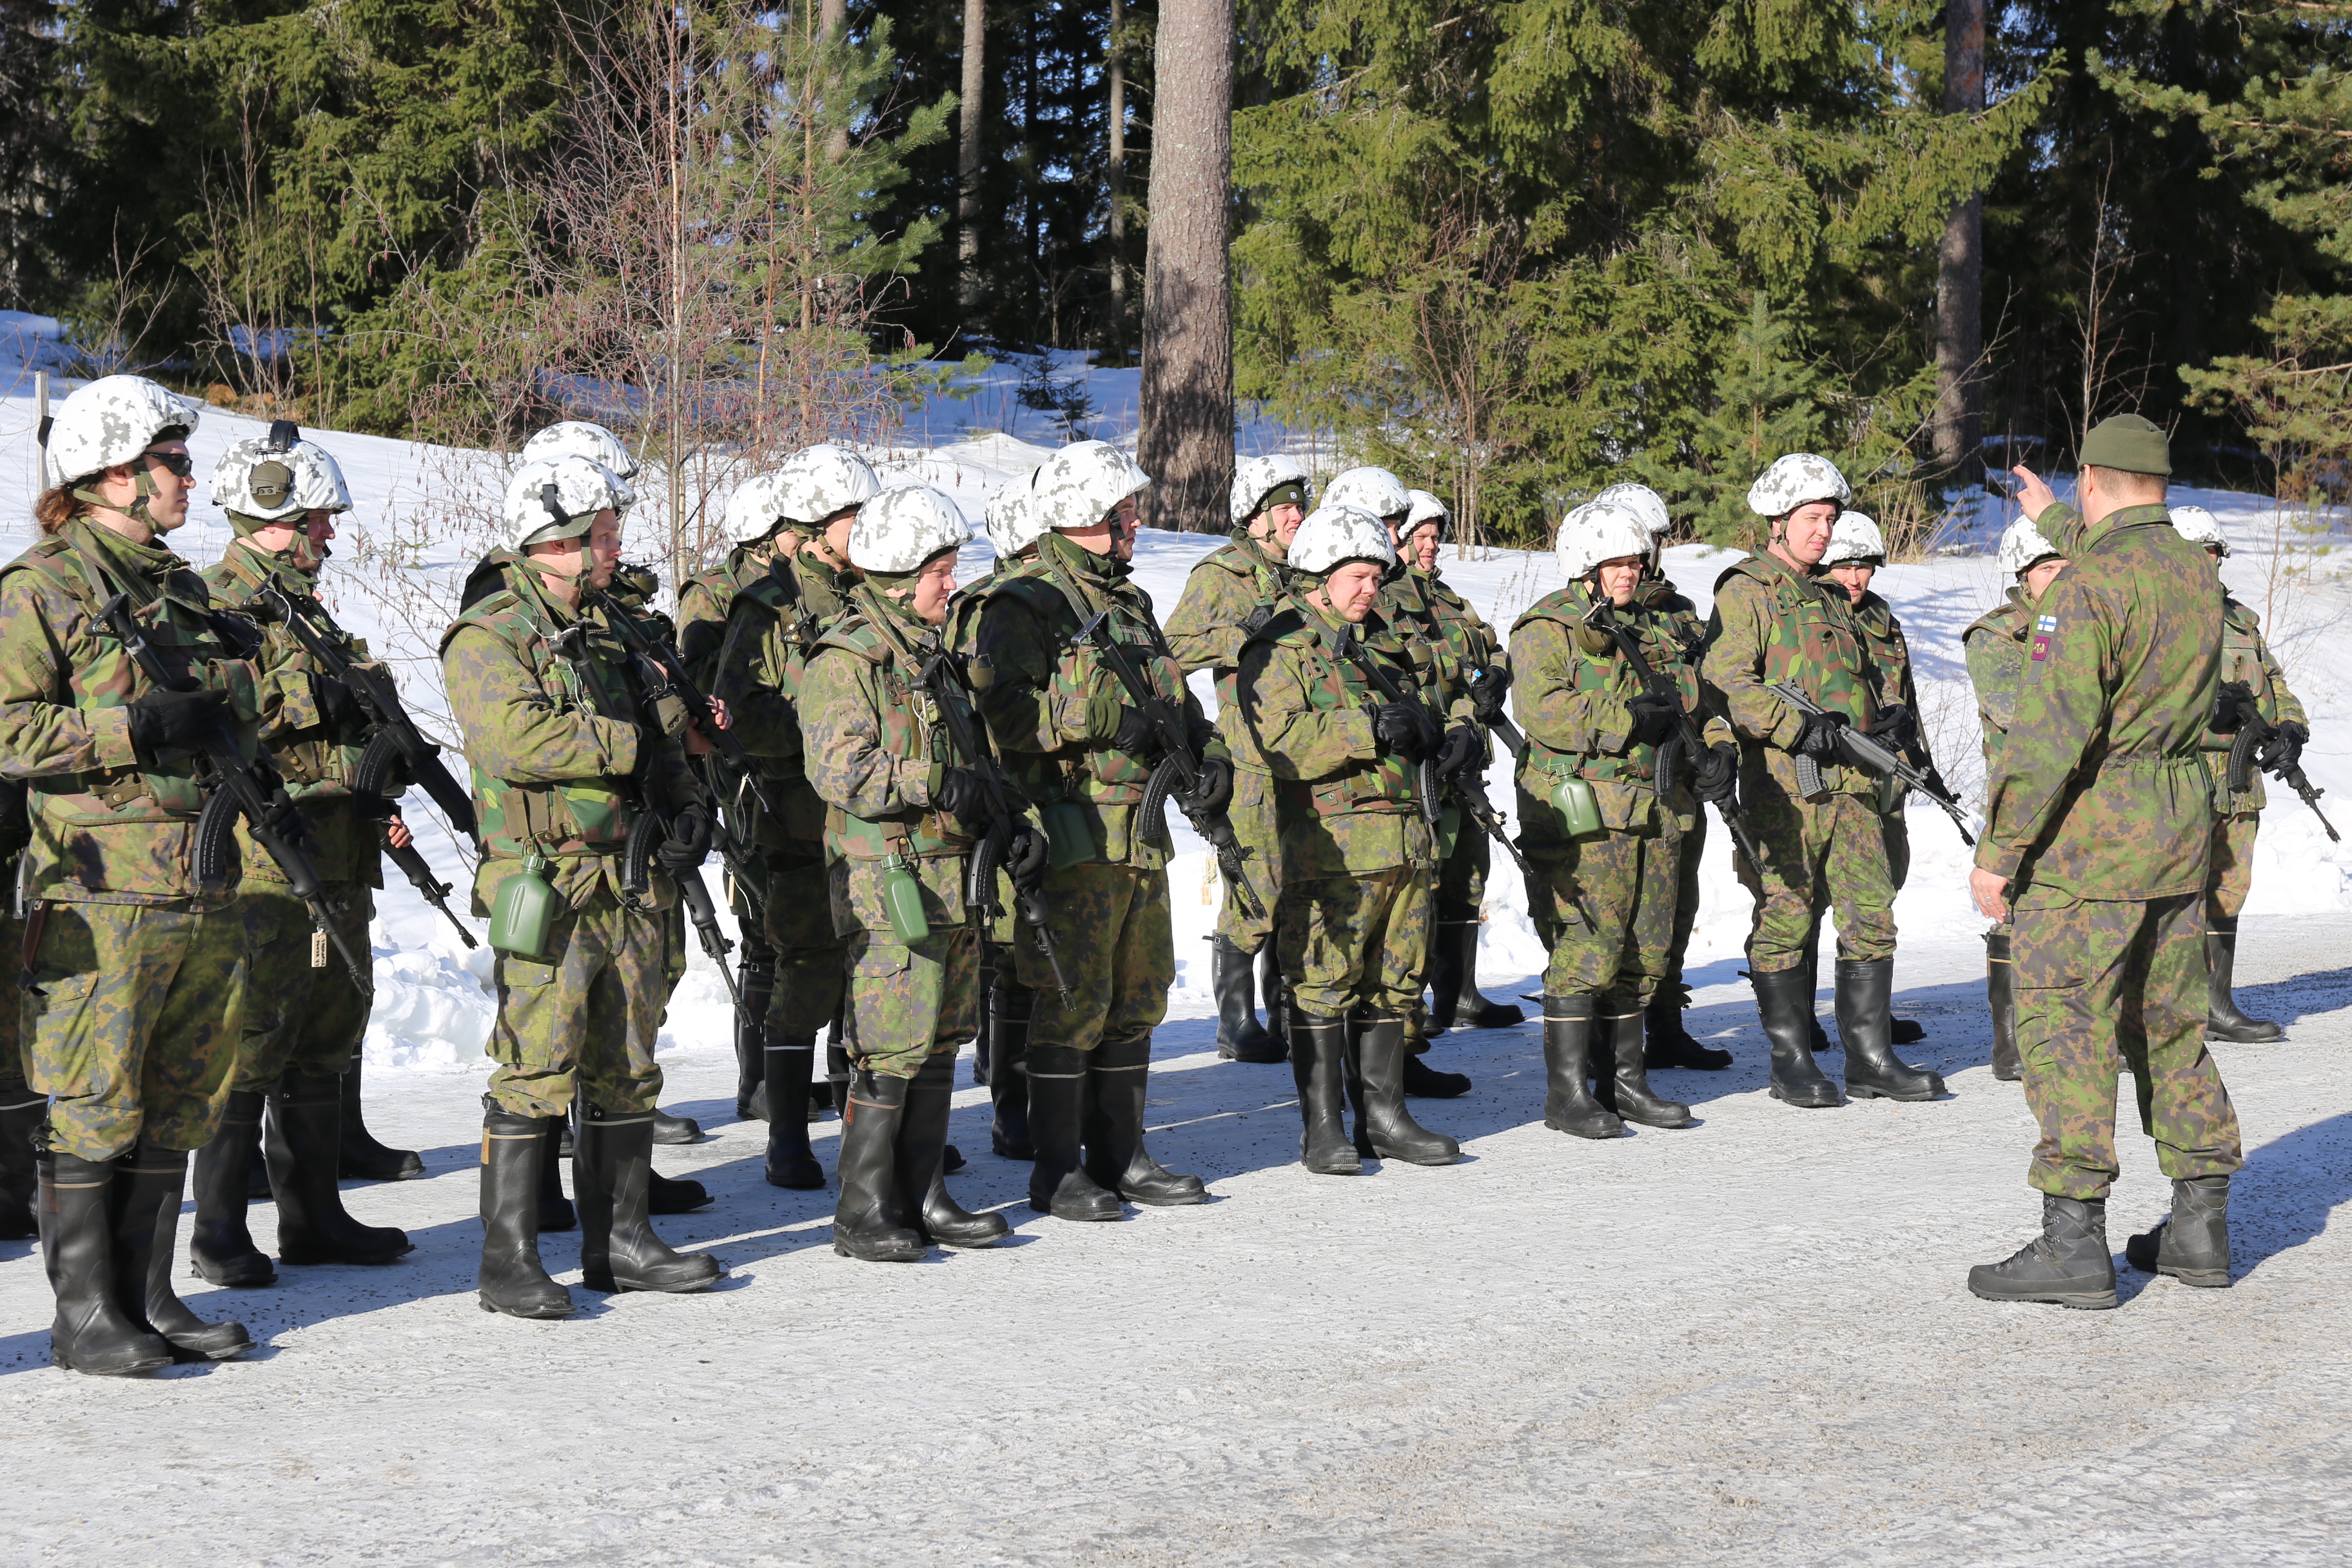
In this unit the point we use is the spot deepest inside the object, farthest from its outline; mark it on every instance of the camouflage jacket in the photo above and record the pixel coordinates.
(317, 764)
(1771, 624)
(1994, 645)
(1036, 688)
(1662, 598)
(1205, 632)
(105, 830)
(772, 626)
(1444, 635)
(704, 603)
(2100, 789)
(877, 750)
(1570, 687)
(1345, 807)
(558, 740)
(2245, 656)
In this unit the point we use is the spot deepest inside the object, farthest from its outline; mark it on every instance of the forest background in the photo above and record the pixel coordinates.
(1515, 249)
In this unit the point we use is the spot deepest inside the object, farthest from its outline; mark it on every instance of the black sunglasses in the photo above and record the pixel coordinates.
(179, 465)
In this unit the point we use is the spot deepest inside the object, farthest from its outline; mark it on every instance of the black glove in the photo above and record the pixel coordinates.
(1025, 856)
(689, 841)
(1136, 736)
(1214, 791)
(1402, 729)
(2231, 701)
(958, 794)
(172, 726)
(1895, 725)
(1819, 738)
(2283, 749)
(1461, 747)
(1653, 719)
(1716, 774)
(1488, 692)
(339, 711)
(1254, 622)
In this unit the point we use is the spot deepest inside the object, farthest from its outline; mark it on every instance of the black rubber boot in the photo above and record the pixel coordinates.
(922, 1190)
(20, 1124)
(512, 1279)
(1240, 1038)
(1112, 1128)
(1273, 991)
(145, 1206)
(1318, 1066)
(90, 1333)
(1008, 1069)
(1384, 1128)
(1473, 1011)
(1669, 1043)
(1444, 980)
(1905, 1031)
(1820, 1041)
(755, 984)
(667, 1129)
(836, 1071)
(363, 1158)
(2068, 1265)
(790, 1161)
(220, 1244)
(2193, 1244)
(1425, 1082)
(305, 1118)
(1872, 1071)
(611, 1160)
(1784, 1002)
(870, 1223)
(2000, 1001)
(1059, 1185)
(1630, 1097)
(555, 1210)
(1568, 1104)
(668, 1194)
(2223, 1020)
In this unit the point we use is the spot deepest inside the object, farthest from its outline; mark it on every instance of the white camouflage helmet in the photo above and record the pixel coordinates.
(822, 481)
(109, 422)
(1426, 507)
(1079, 486)
(2022, 546)
(903, 527)
(277, 477)
(1598, 532)
(2197, 526)
(1005, 520)
(579, 439)
(1375, 493)
(1854, 537)
(1642, 502)
(1793, 481)
(1334, 535)
(1255, 477)
(751, 514)
(559, 497)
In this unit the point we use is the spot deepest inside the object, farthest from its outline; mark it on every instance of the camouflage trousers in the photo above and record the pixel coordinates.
(2232, 875)
(809, 951)
(1113, 935)
(591, 1014)
(2102, 984)
(1819, 857)
(132, 1022)
(1356, 941)
(1606, 911)
(1898, 829)
(1689, 854)
(1462, 877)
(1252, 814)
(12, 1021)
(311, 1020)
(907, 1002)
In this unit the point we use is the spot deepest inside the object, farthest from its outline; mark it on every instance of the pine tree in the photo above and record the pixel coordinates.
(1768, 401)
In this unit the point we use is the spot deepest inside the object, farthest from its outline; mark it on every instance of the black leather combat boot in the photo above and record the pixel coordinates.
(2193, 1244)
(2068, 1265)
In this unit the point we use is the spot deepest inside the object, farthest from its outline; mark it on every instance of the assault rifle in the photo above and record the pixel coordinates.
(668, 679)
(1687, 740)
(2242, 718)
(1872, 756)
(234, 788)
(1179, 772)
(394, 745)
(1469, 791)
(942, 675)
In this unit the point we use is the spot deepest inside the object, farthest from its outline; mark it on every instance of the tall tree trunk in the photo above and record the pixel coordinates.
(1118, 74)
(1186, 442)
(1959, 273)
(832, 16)
(975, 43)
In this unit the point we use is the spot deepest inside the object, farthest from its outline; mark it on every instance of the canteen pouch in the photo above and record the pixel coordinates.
(1068, 840)
(525, 912)
(1578, 808)
(903, 896)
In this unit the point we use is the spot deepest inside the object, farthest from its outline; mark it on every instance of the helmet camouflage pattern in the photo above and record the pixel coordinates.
(1854, 537)
(1793, 481)
(579, 439)
(1079, 486)
(1375, 493)
(1598, 532)
(1255, 479)
(559, 497)
(1334, 535)
(278, 477)
(109, 422)
(1642, 502)
(2197, 526)
(903, 527)
(822, 481)
(2022, 546)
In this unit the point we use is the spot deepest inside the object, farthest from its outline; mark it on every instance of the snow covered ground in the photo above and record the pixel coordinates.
(1745, 1342)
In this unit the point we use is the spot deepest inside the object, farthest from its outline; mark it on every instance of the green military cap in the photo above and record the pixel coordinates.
(2128, 443)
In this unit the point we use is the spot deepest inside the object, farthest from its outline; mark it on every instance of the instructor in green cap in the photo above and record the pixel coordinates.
(2099, 823)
